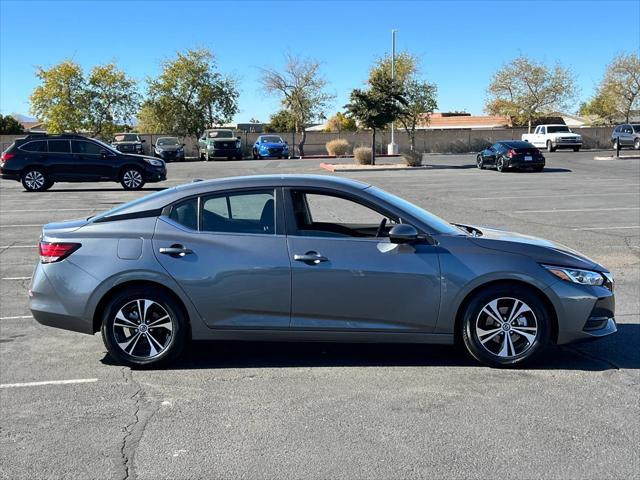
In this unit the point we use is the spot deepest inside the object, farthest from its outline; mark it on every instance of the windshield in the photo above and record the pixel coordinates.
(435, 222)
(221, 134)
(167, 141)
(558, 129)
(636, 128)
(106, 146)
(126, 137)
(271, 139)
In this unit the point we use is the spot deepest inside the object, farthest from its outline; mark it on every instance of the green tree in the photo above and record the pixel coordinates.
(149, 121)
(420, 97)
(341, 123)
(113, 100)
(61, 99)
(619, 91)
(10, 126)
(190, 95)
(280, 122)
(302, 92)
(379, 105)
(406, 67)
(525, 89)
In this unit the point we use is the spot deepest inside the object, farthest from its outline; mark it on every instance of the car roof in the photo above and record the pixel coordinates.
(161, 199)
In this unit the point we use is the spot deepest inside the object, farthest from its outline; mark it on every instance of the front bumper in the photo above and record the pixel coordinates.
(224, 152)
(567, 144)
(156, 175)
(170, 156)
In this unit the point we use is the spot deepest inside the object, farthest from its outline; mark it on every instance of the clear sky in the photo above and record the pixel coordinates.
(460, 44)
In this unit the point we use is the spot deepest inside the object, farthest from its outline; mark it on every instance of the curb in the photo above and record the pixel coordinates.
(624, 157)
(369, 168)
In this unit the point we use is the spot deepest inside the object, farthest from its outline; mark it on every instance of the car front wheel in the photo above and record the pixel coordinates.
(636, 144)
(132, 179)
(505, 326)
(142, 327)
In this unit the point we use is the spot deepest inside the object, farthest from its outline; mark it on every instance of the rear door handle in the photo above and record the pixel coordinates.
(176, 250)
(310, 258)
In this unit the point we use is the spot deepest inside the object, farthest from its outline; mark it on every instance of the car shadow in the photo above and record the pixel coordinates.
(619, 351)
(67, 190)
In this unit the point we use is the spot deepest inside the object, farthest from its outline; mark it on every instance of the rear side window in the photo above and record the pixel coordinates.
(37, 146)
(245, 212)
(186, 213)
(59, 146)
(87, 148)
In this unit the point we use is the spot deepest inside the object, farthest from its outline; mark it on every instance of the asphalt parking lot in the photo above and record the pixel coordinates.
(335, 411)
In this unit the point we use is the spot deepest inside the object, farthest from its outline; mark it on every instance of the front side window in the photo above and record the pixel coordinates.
(242, 212)
(325, 215)
(86, 148)
(542, 132)
(39, 146)
(59, 146)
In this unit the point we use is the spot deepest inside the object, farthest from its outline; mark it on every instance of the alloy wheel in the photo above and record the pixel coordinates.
(132, 179)
(500, 164)
(34, 180)
(506, 327)
(143, 329)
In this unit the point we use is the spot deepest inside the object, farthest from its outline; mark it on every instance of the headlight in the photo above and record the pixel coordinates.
(154, 162)
(574, 275)
(238, 144)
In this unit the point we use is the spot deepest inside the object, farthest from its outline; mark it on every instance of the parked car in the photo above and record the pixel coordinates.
(627, 135)
(553, 137)
(219, 143)
(511, 154)
(169, 149)
(270, 146)
(310, 258)
(38, 161)
(128, 143)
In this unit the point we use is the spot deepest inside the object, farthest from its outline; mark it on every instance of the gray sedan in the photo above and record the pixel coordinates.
(310, 258)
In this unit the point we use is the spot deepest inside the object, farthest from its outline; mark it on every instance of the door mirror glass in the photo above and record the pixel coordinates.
(403, 233)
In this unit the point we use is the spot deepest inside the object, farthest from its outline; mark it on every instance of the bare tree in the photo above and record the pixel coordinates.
(302, 92)
(525, 90)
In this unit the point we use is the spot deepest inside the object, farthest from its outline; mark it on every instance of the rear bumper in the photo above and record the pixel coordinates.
(10, 176)
(518, 163)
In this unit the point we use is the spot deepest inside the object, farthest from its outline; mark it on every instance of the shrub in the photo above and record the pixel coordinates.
(412, 159)
(338, 147)
(362, 155)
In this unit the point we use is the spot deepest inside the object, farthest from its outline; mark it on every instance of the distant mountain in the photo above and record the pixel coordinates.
(23, 118)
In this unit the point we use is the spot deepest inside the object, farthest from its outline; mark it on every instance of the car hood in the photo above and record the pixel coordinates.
(126, 143)
(168, 148)
(541, 250)
(565, 134)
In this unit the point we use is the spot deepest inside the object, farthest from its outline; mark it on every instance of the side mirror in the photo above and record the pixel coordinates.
(103, 153)
(403, 233)
(239, 138)
(184, 144)
(143, 140)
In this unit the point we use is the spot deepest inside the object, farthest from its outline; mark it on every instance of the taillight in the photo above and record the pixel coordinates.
(511, 153)
(6, 156)
(54, 252)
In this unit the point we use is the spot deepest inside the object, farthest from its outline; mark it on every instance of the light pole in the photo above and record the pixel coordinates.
(392, 148)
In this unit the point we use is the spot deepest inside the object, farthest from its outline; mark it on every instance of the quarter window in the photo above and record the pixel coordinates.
(59, 146)
(186, 213)
(38, 146)
(245, 212)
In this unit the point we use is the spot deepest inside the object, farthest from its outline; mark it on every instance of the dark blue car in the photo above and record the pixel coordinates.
(270, 146)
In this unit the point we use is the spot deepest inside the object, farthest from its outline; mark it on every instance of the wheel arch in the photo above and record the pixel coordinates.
(508, 283)
(120, 287)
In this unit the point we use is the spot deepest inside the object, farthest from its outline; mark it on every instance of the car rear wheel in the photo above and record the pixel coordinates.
(500, 165)
(505, 326)
(143, 327)
(35, 180)
(479, 162)
(132, 179)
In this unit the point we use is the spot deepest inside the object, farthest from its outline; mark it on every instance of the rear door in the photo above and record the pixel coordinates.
(62, 164)
(229, 254)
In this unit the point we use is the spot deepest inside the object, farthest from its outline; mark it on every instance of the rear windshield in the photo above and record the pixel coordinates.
(518, 144)
(558, 129)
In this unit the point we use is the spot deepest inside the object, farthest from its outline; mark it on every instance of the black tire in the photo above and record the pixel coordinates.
(576, 149)
(636, 144)
(169, 342)
(35, 180)
(479, 162)
(500, 165)
(487, 343)
(550, 147)
(615, 144)
(238, 157)
(132, 178)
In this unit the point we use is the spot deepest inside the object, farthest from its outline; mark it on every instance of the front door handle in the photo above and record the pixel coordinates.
(176, 250)
(310, 258)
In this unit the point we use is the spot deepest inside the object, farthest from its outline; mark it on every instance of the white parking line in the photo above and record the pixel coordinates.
(49, 382)
(25, 225)
(557, 196)
(20, 317)
(16, 278)
(606, 228)
(559, 210)
(39, 210)
(17, 246)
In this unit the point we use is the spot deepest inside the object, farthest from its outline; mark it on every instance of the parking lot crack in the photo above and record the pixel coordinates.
(145, 409)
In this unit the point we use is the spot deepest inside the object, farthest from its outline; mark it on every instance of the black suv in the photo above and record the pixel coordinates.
(38, 161)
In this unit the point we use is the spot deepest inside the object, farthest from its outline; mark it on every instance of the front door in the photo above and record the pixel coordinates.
(93, 162)
(346, 275)
(225, 252)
